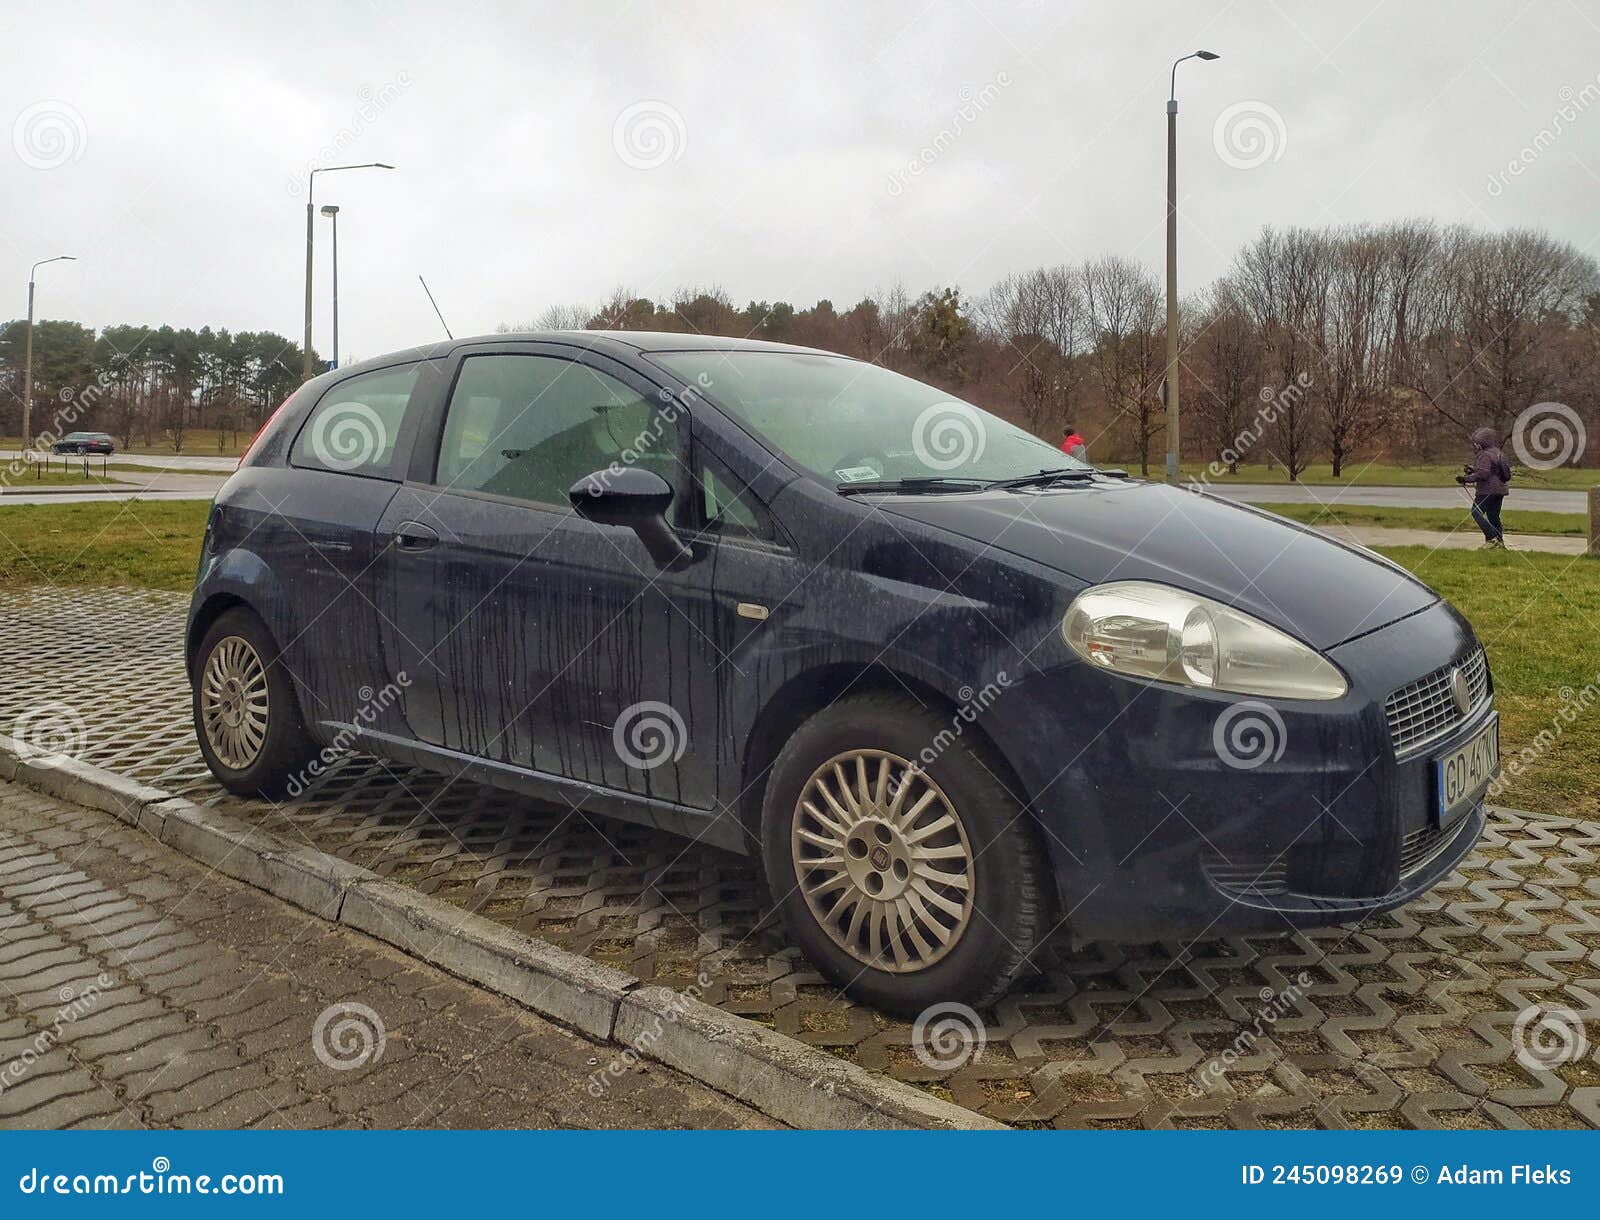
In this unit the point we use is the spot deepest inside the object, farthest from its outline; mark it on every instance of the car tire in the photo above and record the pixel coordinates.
(920, 941)
(246, 715)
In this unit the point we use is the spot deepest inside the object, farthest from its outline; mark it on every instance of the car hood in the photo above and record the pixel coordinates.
(1321, 591)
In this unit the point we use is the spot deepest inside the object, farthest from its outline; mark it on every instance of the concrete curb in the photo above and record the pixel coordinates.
(781, 1077)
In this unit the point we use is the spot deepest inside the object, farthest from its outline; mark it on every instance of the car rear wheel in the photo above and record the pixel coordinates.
(245, 711)
(908, 884)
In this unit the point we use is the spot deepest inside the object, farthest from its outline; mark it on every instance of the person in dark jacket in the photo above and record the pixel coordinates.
(1489, 476)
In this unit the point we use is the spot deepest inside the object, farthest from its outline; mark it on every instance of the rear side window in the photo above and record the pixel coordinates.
(355, 427)
(531, 426)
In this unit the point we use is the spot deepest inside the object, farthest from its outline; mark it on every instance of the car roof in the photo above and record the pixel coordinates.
(617, 342)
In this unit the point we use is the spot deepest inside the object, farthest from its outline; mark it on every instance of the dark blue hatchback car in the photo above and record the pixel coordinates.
(954, 689)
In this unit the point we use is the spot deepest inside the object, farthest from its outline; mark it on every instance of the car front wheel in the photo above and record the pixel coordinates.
(909, 883)
(245, 711)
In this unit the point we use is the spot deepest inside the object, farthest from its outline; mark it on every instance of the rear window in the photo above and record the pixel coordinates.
(355, 428)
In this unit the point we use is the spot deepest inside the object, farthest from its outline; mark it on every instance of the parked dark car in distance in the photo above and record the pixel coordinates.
(85, 442)
(957, 691)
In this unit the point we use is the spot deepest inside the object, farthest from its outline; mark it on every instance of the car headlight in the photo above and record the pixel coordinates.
(1153, 631)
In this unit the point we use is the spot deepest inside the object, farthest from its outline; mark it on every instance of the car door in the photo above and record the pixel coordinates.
(530, 636)
(313, 525)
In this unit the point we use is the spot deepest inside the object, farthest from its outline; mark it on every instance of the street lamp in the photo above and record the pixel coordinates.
(1170, 385)
(27, 359)
(311, 183)
(331, 211)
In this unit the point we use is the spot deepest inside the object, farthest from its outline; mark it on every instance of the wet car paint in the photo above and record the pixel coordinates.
(526, 633)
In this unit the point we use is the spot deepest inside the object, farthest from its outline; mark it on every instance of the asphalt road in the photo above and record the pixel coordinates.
(1529, 499)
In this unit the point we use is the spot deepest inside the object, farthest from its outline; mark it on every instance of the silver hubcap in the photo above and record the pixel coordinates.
(883, 860)
(233, 702)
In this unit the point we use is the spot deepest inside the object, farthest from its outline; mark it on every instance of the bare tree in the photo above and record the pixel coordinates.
(1125, 309)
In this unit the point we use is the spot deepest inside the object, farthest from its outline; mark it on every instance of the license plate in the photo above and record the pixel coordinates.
(1467, 770)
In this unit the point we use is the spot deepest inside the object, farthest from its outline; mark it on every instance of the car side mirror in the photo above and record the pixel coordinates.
(638, 499)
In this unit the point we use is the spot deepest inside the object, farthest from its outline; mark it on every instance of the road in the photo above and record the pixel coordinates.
(218, 463)
(1526, 498)
(139, 989)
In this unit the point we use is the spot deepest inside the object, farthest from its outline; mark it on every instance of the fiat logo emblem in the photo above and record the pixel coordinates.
(1460, 691)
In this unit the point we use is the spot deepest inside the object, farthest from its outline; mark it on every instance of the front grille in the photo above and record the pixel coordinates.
(1425, 710)
(1418, 849)
(1247, 878)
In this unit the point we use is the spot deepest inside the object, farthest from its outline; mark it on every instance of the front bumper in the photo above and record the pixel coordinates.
(1178, 812)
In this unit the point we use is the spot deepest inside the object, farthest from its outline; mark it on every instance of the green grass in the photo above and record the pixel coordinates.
(1565, 524)
(29, 479)
(201, 442)
(1389, 474)
(153, 544)
(1538, 616)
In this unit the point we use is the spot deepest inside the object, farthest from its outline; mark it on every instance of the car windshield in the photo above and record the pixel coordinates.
(849, 422)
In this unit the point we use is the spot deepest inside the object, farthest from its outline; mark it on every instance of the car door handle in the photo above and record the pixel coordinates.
(414, 536)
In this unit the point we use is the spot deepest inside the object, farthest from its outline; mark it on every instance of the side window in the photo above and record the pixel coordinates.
(731, 509)
(354, 428)
(532, 426)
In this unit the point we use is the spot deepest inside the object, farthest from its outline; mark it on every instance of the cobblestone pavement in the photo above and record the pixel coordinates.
(1407, 1021)
(139, 989)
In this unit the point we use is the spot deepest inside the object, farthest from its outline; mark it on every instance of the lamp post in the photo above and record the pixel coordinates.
(27, 359)
(1170, 384)
(331, 211)
(311, 213)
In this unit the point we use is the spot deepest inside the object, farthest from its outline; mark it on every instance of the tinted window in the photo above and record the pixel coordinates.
(354, 428)
(532, 426)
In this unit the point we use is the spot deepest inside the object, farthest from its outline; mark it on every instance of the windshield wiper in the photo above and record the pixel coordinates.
(929, 485)
(1040, 477)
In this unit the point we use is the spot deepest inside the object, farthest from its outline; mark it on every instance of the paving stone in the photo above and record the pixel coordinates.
(199, 1008)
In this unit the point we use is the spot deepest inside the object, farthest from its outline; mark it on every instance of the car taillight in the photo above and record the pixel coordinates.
(256, 439)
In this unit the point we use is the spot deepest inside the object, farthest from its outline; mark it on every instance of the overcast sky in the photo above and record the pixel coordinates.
(550, 152)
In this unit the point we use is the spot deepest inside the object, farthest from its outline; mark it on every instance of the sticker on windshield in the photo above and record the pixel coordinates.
(855, 474)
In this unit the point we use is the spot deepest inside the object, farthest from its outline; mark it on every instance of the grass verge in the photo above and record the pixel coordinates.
(1537, 614)
(1391, 474)
(1446, 519)
(152, 544)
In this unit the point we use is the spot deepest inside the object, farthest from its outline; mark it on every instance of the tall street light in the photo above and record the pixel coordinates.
(27, 359)
(311, 214)
(331, 211)
(1171, 382)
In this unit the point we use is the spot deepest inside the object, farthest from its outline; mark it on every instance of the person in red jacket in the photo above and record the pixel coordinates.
(1073, 445)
